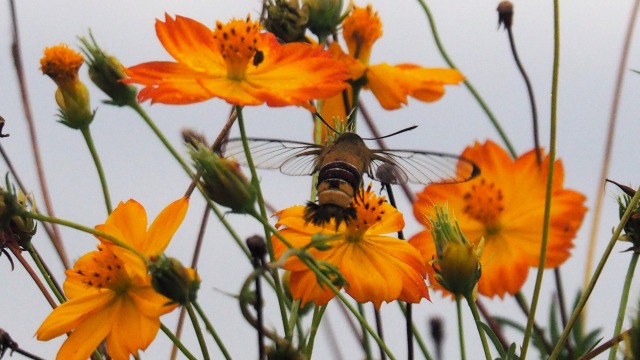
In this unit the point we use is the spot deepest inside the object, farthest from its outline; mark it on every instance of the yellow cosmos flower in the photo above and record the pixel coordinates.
(110, 298)
(377, 267)
(238, 63)
(390, 84)
(505, 205)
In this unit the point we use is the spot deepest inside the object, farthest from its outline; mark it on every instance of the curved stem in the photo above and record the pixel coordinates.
(177, 342)
(467, 83)
(211, 330)
(596, 275)
(463, 355)
(198, 331)
(86, 133)
(476, 317)
(624, 298)
(549, 190)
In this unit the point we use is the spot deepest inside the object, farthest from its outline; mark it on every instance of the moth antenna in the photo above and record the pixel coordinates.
(325, 122)
(392, 134)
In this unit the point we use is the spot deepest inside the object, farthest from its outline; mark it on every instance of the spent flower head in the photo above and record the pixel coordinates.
(238, 63)
(632, 227)
(504, 205)
(107, 73)
(16, 226)
(287, 20)
(61, 64)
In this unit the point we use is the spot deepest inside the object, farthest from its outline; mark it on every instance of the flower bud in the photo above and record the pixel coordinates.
(171, 279)
(62, 64)
(505, 14)
(457, 266)
(106, 72)
(324, 16)
(287, 20)
(223, 182)
(632, 227)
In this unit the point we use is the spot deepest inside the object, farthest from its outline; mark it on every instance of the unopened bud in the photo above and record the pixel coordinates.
(193, 138)
(324, 16)
(505, 14)
(287, 20)
(171, 279)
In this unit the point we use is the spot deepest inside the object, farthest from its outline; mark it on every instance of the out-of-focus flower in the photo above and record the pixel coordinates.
(106, 72)
(457, 265)
(505, 206)
(375, 267)
(390, 84)
(223, 181)
(110, 293)
(238, 63)
(62, 65)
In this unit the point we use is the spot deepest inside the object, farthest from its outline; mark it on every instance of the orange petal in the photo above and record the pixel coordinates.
(130, 219)
(304, 286)
(164, 226)
(132, 331)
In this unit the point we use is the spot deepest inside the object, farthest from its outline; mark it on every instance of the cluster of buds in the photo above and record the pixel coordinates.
(457, 265)
(16, 228)
(289, 21)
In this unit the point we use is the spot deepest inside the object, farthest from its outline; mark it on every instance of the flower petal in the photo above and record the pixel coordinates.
(132, 331)
(130, 219)
(304, 286)
(164, 226)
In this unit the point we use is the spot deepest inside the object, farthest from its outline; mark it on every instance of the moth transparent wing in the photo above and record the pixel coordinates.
(290, 157)
(420, 167)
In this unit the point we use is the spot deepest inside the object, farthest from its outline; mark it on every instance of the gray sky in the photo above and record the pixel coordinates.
(138, 167)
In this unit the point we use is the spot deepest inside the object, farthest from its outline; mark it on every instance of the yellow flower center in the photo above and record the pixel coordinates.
(238, 45)
(61, 63)
(369, 211)
(360, 30)
(484, 203)
(104, 270)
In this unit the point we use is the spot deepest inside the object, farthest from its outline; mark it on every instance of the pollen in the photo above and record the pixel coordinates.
(360, 30)
(483, 202)
(238, 42)
(102, 270)
(61, 63)
(369, 211)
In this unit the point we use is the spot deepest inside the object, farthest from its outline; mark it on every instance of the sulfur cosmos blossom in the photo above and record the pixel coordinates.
(390, 84)
(238, 63)
(376, 267)
(111, 298)
(505, 206)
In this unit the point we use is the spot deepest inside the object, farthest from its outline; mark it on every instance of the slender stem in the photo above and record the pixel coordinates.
(48, 277)
(493, 324)
(86, 133)
(476, 317)
(211, 330)
(596, 275)
(143, 114)
(611, 129)
(18, 254)
(366, 345)
(606, 345)
(416, 335)
(467, 83)
(177, 342)
(463, 355)
(194, 263)
(532, 99)
(198, 331)
(318, 313)
(522, 303)
(624, 298)
(563, 312)
(552, 160)
(26, 105)
(257, 263)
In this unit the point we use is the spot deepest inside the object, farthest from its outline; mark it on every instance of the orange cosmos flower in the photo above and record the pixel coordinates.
(505, 205)
(238, 63)
(111, 297)
(377, 267)
(391, 85)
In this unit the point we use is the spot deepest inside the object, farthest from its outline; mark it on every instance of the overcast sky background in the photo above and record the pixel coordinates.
(138, 167)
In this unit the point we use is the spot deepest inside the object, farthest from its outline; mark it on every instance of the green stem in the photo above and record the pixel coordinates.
(198, 330)
(293, 318)
(136, 107)
(318, 313)
(211, 330)
(177, 342)
(263, 216)
(467, 83)
(86, 133)
(416, 335)
(587, 291)
(549, 190)
(623, 302)
(366, 346)
(97, 233)
(47, 276)
(476, 317)
(463, 355)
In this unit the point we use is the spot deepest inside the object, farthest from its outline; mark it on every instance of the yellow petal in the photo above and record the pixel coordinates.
(164, 226)
(132, 331)
(130, 219)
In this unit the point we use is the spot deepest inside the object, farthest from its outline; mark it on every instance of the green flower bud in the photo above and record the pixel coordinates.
(223, 182)
(324, 16)
(287, 20)
(107, 72)
(171, 279)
